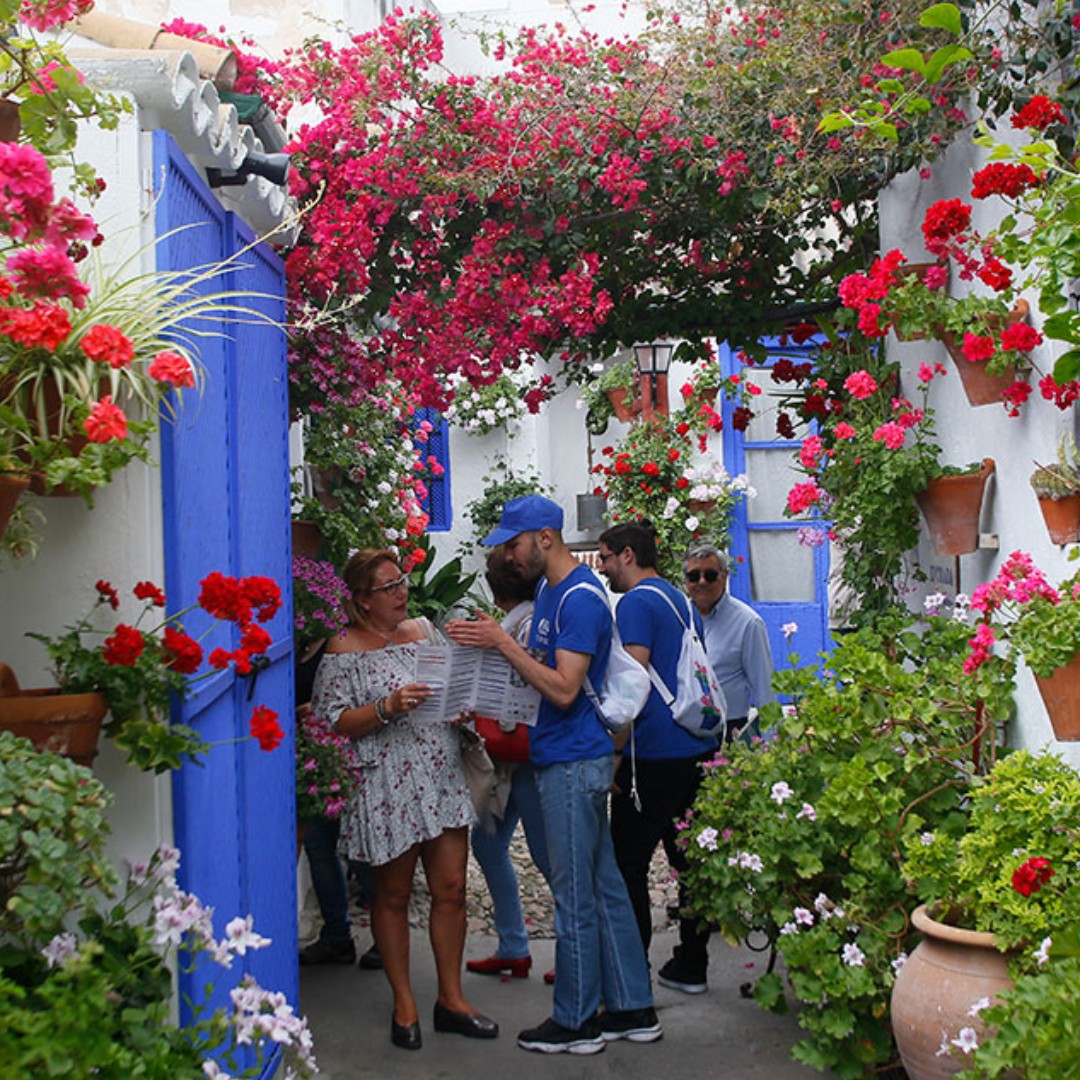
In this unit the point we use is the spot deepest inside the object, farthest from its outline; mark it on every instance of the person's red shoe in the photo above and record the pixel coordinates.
(549, 977)
(496, 965)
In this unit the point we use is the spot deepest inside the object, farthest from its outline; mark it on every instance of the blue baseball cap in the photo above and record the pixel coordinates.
(527, 513)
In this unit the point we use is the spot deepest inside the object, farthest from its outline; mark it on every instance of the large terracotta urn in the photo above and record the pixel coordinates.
(949, 971)
(951, 507)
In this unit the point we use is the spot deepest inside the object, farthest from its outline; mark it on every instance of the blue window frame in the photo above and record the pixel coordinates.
(437, 504)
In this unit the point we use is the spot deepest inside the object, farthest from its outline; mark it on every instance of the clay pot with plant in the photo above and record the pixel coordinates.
(1057, 487)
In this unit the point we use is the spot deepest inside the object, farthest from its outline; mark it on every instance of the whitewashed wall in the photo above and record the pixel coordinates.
(1011, 514)
(119, 539)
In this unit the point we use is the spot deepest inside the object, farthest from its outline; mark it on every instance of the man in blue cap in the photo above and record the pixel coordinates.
(598, 951)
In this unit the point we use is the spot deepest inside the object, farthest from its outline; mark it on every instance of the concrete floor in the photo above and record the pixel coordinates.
(718, 1035)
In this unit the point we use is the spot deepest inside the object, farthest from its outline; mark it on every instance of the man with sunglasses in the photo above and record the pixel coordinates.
(657, 783)
(735, 638)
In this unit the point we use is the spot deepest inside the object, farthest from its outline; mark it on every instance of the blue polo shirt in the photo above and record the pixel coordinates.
(584, 626)
(644, 618)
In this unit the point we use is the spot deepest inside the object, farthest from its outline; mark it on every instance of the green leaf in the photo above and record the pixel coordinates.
(1067, 367)
(942, 17)
(835, 122)
(908, 59)
(943, 58)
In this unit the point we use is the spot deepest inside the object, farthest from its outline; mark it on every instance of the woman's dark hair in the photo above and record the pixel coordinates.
(508, 586)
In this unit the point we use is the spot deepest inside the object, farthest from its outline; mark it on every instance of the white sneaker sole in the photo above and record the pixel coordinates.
(583, 1046)
(686, 988)
(637, 1035)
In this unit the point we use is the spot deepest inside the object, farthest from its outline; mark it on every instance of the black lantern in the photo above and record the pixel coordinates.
(653, 361)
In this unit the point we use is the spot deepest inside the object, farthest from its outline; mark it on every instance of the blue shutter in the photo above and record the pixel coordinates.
(437, 505)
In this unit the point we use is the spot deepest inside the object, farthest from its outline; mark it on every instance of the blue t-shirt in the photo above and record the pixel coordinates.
(576, 733)
(644, 618)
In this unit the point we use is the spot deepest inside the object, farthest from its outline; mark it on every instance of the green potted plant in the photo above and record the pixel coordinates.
(1002, 870)
(799, 839)
(137, 667)
(481, 408)
(86, 967)
(654, 473)
(500, 483)
(615, 392)
(1057, 487)
(1022, 614)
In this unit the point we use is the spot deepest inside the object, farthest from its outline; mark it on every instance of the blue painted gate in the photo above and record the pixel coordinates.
(225, 479)
(783, 580)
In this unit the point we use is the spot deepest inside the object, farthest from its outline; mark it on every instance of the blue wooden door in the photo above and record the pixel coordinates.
(784, 581)
(225, 482)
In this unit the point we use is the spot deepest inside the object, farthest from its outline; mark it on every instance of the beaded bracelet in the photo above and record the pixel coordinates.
(381, 714)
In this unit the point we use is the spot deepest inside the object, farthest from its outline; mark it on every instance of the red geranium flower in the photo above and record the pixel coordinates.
(124, 647)
(105, 422)
(1019, 337)
(1032, 875)
(147, 590)
(944, 220)
(1039, 113)
(108, 345)
(265, 727)
(107, 593)
(223, 597)
(254, 639)
(172, 368)
(976, 347)
(1001, 178)
(182, 653)
(263, 594)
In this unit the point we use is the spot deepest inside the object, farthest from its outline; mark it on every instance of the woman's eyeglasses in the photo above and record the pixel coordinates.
(390, 586)
(694, 576)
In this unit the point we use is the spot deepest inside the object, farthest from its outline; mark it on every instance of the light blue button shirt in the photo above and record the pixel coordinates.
(738, 647)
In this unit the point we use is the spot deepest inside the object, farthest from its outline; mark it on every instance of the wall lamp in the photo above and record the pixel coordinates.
(653, 361)
(272, 167)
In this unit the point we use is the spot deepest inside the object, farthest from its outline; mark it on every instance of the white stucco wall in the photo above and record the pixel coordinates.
(966, 434)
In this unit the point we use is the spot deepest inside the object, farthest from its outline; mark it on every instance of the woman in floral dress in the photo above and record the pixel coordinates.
(413, 803)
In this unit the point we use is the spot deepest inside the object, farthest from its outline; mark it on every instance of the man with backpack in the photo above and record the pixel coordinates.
(599, 956)
(657, 785)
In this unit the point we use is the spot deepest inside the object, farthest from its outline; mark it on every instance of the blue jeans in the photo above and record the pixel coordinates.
(598, 952)
(492, 851)
(328, 877)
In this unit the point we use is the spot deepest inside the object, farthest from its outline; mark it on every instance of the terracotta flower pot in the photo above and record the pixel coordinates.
(68, 724)
(10, 121)
(981, 387)
(948, 972)
(701, 506)
(1062, 517)
(626, 407)
(951, 506)
(1061, 695)
(11, 487)
(307, 539)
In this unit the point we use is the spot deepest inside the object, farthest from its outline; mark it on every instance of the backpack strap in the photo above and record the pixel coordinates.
(666, 696)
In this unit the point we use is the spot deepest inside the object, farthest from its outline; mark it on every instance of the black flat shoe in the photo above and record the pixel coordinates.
(471, 1025)
(406, 1036)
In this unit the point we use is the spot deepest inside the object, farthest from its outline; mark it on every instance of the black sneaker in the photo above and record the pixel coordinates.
(637, 1025)
(328, 952)
(553, 1038)
(372, 959)
(677, 974)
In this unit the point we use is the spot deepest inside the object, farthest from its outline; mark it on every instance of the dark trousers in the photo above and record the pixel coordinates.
(667, 789)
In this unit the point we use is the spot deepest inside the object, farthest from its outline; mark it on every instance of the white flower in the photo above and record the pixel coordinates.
(807, 812)
(803, 916)
(788, 928)
(212, 1071)
(707, 839)
(1042, 953)
(943, 1049)
(746, 861)
(926, 839)
(240, 936)
(978, 1006)
(692, 523)
(933, 603)
(781, 792)
(60, 948)
(967, 1041)
(899, 962)
(821, 902)
(789, 629)
(852, 955)
(671, 508)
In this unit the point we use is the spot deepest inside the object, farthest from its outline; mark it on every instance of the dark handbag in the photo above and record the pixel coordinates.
(504, 745)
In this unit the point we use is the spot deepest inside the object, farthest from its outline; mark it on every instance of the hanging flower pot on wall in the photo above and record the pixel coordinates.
(951, 506)
(11, 487)
(1061, 695)
(948, 971)
(625, 405)
(919, 271)
(1062, 517)
(68, 724)
(10, 121)
(980, 386)
(307, 539)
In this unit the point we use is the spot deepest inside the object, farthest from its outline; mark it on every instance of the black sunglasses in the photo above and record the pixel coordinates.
(694, 576)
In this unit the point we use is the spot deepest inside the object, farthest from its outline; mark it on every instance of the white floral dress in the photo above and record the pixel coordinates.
(413, 787)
